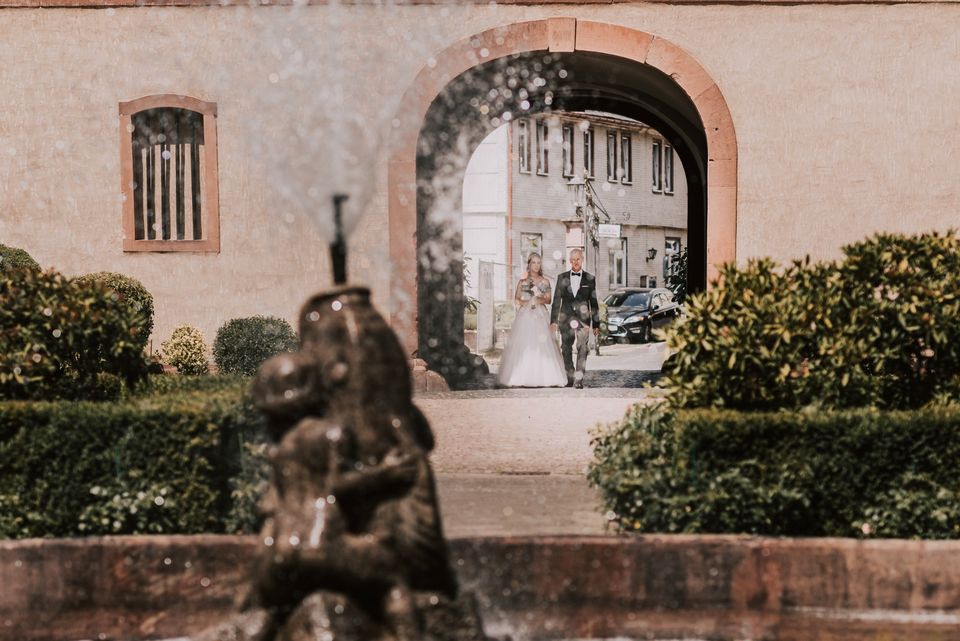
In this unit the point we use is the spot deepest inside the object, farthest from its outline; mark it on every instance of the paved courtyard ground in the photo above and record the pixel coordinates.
(512, 461)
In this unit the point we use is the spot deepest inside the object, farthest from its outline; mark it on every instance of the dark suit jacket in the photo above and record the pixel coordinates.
(584, 306)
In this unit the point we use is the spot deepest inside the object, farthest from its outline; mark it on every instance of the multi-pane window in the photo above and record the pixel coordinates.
(568, 150)
(523, 146)
(169, 174)
(611, 156)
(626, 158)
(543, 148)
(667, 169)
(657, 171)
(588, 151)
(618, 263)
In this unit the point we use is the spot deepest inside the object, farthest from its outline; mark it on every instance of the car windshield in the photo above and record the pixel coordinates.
(628, 299)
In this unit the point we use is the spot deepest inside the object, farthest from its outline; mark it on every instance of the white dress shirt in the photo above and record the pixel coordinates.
(575, 282)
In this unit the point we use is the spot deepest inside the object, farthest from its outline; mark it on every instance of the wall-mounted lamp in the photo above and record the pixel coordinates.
(651, 253)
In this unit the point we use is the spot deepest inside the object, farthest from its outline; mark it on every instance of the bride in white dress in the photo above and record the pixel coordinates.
(532, 358)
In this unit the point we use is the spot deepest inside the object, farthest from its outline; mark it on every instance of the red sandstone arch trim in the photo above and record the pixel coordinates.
(560, 35)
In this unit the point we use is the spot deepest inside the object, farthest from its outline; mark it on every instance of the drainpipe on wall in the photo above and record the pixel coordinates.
(509, 209)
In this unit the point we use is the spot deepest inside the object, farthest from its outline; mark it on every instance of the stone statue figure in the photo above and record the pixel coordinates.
(352, 545)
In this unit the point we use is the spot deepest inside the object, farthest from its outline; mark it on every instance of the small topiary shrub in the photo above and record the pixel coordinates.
(186, 351)
(879, 328)
(13, 258)
(860, 473)
(130, 292)
(165, 460)
(60, 338)
(242, 344)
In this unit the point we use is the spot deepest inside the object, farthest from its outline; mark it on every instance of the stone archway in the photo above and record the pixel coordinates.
(560, 36)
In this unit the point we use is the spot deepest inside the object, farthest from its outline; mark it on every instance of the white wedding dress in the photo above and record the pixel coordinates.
(532, 357)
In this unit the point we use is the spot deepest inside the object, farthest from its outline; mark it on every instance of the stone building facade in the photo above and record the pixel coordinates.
(517, 200)
(819, 122)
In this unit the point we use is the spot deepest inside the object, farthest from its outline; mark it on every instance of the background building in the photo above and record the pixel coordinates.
(516, 200)
(811, 124)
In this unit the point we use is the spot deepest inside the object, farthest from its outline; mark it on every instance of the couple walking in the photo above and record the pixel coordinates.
(531, 358)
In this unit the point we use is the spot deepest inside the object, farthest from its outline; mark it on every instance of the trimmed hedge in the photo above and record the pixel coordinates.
(160, 462)
(827, 473)
(130, 292)
(880, 327)
(61, 338)
(14, 258)
(243, 344)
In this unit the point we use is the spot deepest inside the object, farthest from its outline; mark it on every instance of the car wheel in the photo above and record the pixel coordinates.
(647, 333)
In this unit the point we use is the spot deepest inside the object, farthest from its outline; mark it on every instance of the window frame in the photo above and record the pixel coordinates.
(210, 198)
(523, 146)
(543, 147)
(612, 258)
(657, 166)
(569, 158)
(667, 165)
(588, 145)
(612, 167)
(626, 158)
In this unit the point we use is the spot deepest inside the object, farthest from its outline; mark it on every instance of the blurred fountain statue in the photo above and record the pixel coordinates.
(352, 546)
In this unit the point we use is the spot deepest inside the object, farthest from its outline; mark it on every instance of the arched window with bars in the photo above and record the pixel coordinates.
(169, 174)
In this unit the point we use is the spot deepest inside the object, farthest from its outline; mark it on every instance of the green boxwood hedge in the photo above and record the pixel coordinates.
(132, 293)
(162, 461)
(243, 344)
(879, 327)
(12, 258)
(846, 473)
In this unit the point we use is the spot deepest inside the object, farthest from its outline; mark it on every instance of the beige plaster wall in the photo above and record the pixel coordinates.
(846, 120)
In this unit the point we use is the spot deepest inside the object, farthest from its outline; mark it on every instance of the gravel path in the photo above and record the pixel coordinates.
(512, 462)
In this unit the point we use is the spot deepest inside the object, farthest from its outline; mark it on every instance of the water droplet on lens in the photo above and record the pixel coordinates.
(313, 316)
(337, 306)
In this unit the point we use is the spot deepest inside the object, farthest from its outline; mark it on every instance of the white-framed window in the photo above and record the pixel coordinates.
(168, 166)
(617, 262)
(657, 176)
(523, 146)
(568, 150)
(543, 148)
(667, 169)
(588, 151)
(612, 156)
(626, 158)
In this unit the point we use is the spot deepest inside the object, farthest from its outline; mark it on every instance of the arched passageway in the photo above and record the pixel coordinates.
(578, 66)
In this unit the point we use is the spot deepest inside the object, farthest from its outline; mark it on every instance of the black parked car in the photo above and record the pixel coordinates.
(633, 314)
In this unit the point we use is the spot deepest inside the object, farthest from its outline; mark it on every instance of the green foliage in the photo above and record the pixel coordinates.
(186, 350)
(470, 304)
(131, 292)
(879, 328)
(61, 338)
(676, 280)
(242, 344)
(247, 488)
(826, 473)
(12, 258)
(156, 462)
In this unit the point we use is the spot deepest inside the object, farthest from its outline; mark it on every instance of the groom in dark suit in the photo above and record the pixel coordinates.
(575, 311)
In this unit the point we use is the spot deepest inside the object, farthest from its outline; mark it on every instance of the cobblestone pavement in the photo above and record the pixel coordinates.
(512, 462)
